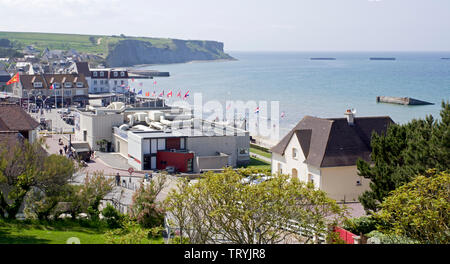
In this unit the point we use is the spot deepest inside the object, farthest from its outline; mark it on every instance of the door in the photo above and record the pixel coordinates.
(153, 163)
(147, 162)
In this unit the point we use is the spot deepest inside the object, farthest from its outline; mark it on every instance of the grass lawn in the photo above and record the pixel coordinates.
(259, 164)
(16, 232)
(261, 152)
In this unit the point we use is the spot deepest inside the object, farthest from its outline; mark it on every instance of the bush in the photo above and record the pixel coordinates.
(155, 232)
(113, 217)
(360, 225)
(376, 237)
(180, 240)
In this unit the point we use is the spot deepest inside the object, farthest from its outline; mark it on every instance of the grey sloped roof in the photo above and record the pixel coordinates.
(333, 142)
(14, 118)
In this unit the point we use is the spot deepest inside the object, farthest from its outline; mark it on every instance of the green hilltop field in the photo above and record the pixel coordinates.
(93, 44)
(120, 50)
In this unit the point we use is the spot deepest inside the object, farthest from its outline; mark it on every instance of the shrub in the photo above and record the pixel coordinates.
(113, 217)
(360, 225)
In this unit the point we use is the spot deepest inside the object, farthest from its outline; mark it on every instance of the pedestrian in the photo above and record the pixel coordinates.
(60, 151)
(65, 149)
(117, 179)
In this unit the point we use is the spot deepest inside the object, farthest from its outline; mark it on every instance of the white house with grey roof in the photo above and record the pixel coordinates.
(325, 151)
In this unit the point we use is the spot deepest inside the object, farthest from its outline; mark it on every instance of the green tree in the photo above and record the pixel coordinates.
(404, 151)
(147, 211)
(93, 191)
(50, 187)
(20, 168)
(220, 207)
(419, 209)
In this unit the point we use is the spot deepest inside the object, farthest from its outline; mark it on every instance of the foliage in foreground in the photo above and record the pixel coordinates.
(419, 210)
(147, 211)
(404, 152)
(221, 208)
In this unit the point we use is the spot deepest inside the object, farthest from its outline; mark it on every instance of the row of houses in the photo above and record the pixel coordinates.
(73, 87)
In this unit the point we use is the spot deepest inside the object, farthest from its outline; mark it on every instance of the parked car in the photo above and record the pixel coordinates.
(171, 169)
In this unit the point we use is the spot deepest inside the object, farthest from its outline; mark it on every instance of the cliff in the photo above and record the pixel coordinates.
(130, 52)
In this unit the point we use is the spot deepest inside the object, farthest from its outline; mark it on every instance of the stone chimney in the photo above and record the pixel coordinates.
(350, 114)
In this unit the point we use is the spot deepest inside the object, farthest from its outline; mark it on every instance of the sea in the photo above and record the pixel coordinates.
(322, 88)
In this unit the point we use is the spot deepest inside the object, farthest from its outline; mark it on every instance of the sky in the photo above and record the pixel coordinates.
(247, 25)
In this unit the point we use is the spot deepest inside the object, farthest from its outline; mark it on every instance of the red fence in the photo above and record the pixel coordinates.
(345, 235)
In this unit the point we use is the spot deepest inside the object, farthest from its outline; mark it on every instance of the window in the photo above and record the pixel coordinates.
(101, 82)
(311, 178)
(116, 74)
(122, 74)
(294, 173)
(67, 84)
(80, 84)
(294, 153)
(161, 143)
(67, 92)
(182, 146)
(95, 74)
(102, 74)
(243, 152)
(115, 82)
(95, 82)
(280, 168)
(122, 82)
(37, 84)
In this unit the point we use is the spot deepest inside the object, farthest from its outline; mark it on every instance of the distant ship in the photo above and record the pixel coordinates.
(381, 58)
(445, 58)
(323, 58)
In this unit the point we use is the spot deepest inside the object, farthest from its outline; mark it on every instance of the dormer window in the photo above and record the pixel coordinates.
(116, 74)
(67, 84)
(122, 74)
(80, 84)
(56, 85)
(37, 84)
(94, 74)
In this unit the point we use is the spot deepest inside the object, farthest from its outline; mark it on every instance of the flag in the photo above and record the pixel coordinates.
(179, 94)
(140, 92)
(154, 94)
(154, 82)
(14, 79)
(186, 95)
(257, 110)
(169, 94)
(147, 94)
(51, 87)
(161, 94)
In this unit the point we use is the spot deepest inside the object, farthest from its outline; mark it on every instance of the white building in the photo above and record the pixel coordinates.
(153, 139)
(104, 80)
(325, 151)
